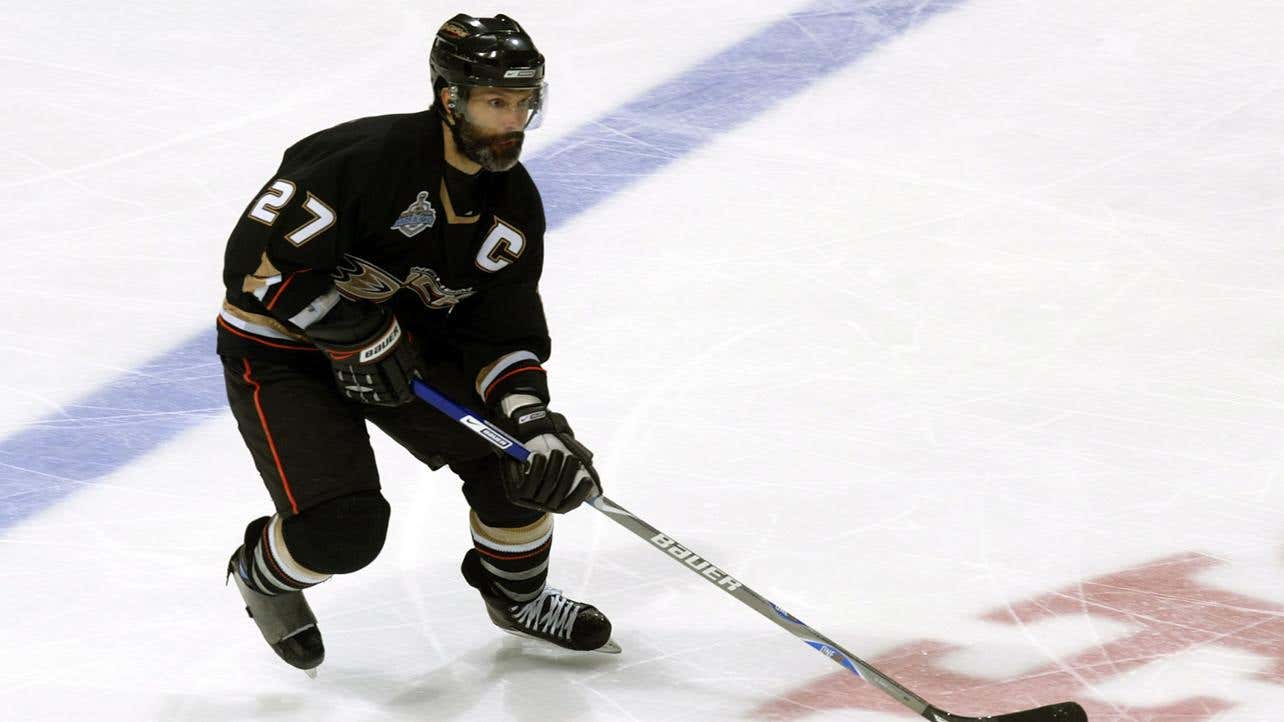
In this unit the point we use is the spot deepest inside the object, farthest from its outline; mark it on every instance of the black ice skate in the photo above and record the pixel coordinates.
(285, 620)
(550, 617)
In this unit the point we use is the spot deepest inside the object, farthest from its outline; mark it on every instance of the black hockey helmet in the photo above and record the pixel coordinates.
(485, 51)
(493, 52)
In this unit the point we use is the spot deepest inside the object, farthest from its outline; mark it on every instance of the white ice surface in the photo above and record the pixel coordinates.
(995, 310)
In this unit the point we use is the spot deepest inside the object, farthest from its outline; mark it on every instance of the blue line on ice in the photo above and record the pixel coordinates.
(138, 412)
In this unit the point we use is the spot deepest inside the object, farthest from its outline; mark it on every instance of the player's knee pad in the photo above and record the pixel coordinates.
(485, 494)
(341, 535)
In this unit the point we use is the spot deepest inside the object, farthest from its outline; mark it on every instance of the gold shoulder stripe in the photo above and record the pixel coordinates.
(262, 276)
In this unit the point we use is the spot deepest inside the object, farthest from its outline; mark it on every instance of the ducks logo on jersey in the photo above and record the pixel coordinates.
(360, 279)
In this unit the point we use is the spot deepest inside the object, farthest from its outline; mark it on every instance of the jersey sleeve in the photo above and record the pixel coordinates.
(501, 333)
(503, 338)
(289, 241)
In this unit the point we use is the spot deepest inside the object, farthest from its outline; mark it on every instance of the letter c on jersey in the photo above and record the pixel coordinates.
(503, 245)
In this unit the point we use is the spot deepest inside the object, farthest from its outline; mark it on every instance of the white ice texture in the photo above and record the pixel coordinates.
(958, 336)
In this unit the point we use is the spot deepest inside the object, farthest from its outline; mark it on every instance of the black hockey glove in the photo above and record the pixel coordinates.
(373, 361)
(559, 474)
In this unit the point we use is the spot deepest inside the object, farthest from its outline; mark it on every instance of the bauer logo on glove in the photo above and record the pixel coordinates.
(376, 350)
(365, 346)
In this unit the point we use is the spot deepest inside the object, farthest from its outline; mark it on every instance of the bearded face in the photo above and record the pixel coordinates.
(488, 124)
(494, 151)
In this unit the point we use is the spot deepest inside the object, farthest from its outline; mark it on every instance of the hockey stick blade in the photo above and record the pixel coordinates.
(683, 555)
(1059, 712)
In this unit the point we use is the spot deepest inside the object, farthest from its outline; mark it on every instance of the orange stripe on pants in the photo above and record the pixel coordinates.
(280, 470)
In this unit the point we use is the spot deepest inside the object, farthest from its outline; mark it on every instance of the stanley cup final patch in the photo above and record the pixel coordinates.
(417, 217)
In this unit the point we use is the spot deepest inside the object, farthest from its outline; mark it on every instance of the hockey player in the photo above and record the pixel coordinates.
(385, 249)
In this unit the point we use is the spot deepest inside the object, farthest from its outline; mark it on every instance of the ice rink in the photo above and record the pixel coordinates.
(954, 327)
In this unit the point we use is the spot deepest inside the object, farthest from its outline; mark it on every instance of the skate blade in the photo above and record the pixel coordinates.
(312, 673)
(609, 648)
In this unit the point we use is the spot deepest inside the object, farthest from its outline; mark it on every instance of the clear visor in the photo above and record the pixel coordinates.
(500, 108)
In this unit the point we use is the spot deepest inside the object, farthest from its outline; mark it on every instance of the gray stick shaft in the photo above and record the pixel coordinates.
(1061, 712)
(713, 574)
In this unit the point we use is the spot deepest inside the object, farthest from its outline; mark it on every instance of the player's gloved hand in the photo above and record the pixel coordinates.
(559, 474)
(373, 361)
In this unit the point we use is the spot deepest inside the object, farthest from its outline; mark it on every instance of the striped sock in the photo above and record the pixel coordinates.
(515, 559)
(272, 570)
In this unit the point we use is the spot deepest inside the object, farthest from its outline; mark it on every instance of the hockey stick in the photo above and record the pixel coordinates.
(1059, 712)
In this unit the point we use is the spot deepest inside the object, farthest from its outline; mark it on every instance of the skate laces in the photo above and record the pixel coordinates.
(556, 619)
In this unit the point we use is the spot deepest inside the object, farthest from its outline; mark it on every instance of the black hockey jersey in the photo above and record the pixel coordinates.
(364, 213)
